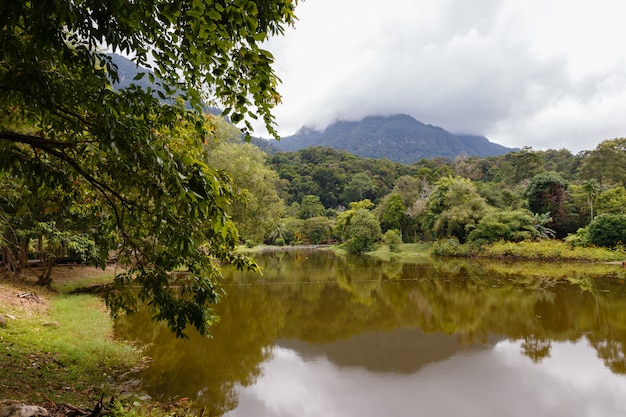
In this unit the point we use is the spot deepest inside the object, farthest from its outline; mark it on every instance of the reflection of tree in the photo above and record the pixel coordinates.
(318, 299)
(611, 351)
(536, 349)
(208, 370)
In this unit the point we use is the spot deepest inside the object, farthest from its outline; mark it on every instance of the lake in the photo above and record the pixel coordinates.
(321, 335)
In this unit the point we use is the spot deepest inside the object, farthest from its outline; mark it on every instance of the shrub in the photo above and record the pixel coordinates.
(450, 246)
(362, 232)
(280, 242)
(608, 230)
(512, 226)
(579, 239)
(393, 239)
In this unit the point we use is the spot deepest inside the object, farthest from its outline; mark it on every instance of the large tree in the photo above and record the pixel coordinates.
(453, 208)
(257, 205)
(131, 148)
(606, 163)
(548, 193)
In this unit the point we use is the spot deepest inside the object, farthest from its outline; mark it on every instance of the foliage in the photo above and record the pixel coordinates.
(311, 206)
(606, 163)
(358, 227)
(344, 218)
(547, 250)
(612, 201)
(278, 230)
(392, 212)
(393, 239)
(140, 161)
(50, 221)
(257, 205)
(454, 208)
(317, 229)
(360, 187)
(547, 193)
(580, 238)
(608, 230)
(450, 246)
(508, 225)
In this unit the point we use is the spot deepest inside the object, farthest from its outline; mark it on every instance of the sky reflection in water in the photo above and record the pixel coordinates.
(325, 336)
(489, 382)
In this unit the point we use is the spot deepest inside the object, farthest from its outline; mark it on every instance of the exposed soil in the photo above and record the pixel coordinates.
(19, 296)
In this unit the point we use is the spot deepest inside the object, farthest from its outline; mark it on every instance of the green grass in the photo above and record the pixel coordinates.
(407, 252)
(64, 353)
(69, 286)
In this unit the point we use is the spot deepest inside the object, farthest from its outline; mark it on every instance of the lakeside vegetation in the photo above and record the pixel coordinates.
(90, 172)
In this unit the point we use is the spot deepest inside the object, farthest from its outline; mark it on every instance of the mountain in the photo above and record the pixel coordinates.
(399, 138)
(127, 70)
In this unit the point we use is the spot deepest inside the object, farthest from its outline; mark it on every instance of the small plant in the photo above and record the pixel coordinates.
(280, 241)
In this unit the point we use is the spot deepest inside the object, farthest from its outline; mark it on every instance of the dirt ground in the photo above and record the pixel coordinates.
(21, 295)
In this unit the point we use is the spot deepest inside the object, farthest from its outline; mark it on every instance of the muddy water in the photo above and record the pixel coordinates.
(324, 336)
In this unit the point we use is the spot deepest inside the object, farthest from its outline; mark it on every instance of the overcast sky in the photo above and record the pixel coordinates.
(549, 74)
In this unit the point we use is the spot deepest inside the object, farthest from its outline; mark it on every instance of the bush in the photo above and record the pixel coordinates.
(393, 239)
(511, 226)
(362, 232)
(280, 242)
(579, 239)
(608, 230)
(450, 246)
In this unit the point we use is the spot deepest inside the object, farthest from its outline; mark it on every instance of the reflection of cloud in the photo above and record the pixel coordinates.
(498, 382)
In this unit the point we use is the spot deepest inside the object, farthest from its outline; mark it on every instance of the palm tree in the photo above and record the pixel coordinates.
(279, 231)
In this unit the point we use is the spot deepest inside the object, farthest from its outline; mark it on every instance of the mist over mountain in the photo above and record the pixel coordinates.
(399, 138)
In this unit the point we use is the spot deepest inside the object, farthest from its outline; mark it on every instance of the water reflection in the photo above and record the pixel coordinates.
(373, 333)
(494, 382)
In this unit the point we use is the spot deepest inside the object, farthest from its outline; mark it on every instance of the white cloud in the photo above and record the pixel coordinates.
(543, 74)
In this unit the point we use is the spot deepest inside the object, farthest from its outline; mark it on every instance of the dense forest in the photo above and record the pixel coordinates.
(521, 195)
(319, 195)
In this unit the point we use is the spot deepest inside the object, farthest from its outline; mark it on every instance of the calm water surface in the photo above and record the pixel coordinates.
(325, 336)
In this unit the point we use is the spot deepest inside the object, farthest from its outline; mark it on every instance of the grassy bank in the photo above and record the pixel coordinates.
(59, 348)
(549, 249)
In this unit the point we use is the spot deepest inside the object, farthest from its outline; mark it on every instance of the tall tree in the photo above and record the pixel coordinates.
(591, 188)
(392, 212)
(547, 193)
(311, 206)
(257, 205)
(606, 163)
(57, 102)
(453, 208)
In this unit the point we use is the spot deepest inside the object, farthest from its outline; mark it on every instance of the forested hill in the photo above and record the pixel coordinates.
(399, 138)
